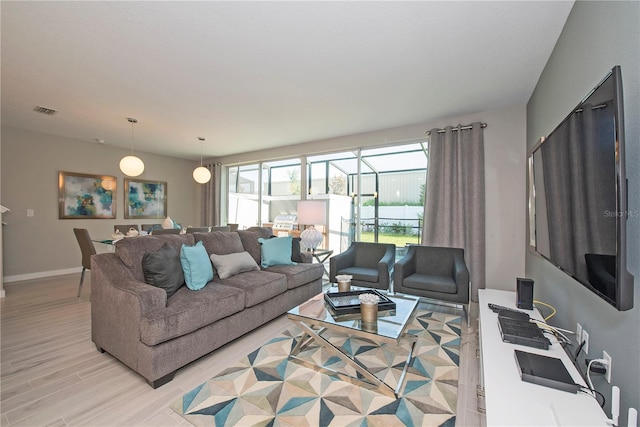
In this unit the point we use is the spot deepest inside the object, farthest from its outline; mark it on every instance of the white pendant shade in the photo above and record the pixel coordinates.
(131, 165)
(201, 174)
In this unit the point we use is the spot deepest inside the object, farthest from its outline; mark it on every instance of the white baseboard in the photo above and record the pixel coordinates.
(40, 274)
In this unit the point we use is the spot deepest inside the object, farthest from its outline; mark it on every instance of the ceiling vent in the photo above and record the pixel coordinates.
(45, 110)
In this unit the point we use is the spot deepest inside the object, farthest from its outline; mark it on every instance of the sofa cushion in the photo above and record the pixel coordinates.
(250, 244)
(232, 264)
(258, 286)
(275, 251)
(131, 250)
(162, 269)
(299, 274)
(220, 242)
(196, 266)
(188, 311)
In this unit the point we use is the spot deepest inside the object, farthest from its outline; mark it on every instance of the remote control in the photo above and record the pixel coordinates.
(496, 308)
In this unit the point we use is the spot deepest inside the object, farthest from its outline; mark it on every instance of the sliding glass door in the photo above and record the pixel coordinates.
(372, 195)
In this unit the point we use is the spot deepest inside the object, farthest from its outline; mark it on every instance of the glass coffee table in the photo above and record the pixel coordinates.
(315, 317)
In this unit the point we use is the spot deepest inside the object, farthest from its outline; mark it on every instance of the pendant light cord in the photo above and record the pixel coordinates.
(132, 121)
(201, 149)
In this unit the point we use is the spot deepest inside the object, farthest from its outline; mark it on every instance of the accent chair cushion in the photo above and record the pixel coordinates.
(196, 266)
(362, 274)
(162, 268)
(441, 284)
(276, 251)
(232, 264)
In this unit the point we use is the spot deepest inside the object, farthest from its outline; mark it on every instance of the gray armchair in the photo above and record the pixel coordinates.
(370, 264)
(433, 272)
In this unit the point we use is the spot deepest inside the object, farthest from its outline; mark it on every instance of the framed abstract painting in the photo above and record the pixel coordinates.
(86, 196)
(145, 199)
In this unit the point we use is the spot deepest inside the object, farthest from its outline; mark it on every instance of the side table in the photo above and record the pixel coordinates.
(321, 256)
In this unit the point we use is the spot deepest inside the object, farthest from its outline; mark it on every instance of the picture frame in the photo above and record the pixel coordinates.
(145, 198)
(86, 196)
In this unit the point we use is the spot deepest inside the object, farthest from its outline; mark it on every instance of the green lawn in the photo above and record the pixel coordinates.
(398, 239)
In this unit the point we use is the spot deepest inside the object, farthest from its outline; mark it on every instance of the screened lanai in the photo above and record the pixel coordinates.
(372, 195)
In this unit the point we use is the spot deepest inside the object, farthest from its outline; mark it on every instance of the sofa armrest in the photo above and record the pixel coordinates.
(388, 259)
(340, 261)
(118, 304)
(307, 257)
(405, 267)
(461, 275)
(385, 266)
(117, 276)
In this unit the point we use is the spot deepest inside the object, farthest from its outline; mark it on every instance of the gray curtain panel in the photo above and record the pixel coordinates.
(209, 214)
(454, 212)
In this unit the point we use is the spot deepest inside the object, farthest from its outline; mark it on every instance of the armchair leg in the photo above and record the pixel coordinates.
(467, 314)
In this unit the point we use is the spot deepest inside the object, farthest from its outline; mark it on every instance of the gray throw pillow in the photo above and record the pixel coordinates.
(232, 264)
(295, 250)
(162, 268)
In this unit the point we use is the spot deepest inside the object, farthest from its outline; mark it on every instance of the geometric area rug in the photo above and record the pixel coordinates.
(267, 389)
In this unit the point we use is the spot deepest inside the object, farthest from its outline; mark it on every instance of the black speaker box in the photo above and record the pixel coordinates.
(524, 291)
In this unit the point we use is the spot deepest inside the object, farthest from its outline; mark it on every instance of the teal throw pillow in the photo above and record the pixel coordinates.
(276, 251)
(196, 266)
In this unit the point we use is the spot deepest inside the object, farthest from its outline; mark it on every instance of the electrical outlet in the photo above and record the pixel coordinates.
(606, 357)
(578, 333)
(30, 213)
(585, 338)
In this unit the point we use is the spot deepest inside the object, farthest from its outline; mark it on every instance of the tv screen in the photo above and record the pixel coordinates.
(579, 203)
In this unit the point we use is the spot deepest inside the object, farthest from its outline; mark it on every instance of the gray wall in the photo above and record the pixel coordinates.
(597, 36)
(505, 178)
(43, 244)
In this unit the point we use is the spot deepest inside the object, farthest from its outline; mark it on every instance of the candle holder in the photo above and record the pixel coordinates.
(344, 282)
(369, 307)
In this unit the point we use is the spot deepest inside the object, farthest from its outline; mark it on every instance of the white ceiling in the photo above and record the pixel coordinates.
(254, 75)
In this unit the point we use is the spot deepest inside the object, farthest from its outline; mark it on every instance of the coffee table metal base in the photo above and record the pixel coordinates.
(370, 380)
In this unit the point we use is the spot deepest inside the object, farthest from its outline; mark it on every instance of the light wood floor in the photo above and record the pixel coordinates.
(52, 374)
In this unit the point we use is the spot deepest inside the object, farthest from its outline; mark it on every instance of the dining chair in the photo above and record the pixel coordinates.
(198, 230)
(233, 227)
(87, 249)
(165, 231)
(124, 228)
(221, 228)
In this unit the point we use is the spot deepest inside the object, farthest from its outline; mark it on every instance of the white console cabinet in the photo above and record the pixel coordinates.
(508, 400)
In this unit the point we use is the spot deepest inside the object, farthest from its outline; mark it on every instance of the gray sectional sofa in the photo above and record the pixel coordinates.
(155, 335)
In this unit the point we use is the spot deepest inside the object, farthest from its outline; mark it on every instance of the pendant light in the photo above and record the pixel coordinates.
(201, 174)
(131, 165)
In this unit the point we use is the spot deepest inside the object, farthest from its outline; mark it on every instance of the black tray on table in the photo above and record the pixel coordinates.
(348, 302)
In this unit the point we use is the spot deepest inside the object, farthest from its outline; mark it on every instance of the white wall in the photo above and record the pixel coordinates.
(597, 36)
(43, 244)
(505, 178)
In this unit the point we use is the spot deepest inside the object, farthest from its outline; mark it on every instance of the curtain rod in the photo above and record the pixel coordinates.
(482, 125)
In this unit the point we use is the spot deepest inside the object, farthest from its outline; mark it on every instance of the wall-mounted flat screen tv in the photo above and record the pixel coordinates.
(579, 194)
